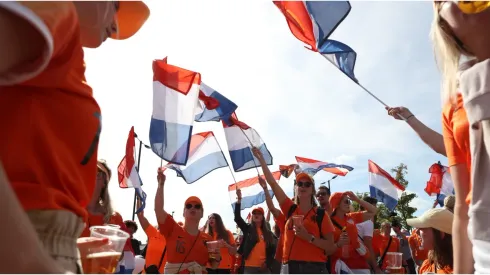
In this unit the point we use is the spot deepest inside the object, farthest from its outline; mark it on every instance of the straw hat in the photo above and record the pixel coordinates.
(437, 218)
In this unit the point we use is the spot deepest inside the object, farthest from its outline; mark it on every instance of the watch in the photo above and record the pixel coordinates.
(312, 239)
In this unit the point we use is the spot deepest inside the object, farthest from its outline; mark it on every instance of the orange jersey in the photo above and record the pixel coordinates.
(455, 130)
(428, 267)
(295, 247)
(52, 121)
(415, 242)
(281, 223)
(354, 261)
(227, 260)
(257, 256)
(155, 247)
(180, 242)
(380, 242)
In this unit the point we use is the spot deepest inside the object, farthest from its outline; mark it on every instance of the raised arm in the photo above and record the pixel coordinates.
(370, 209)
(430, 137)
(141, 216)
(159, 211)
(278, 192)
(268, 200)
(238, 216)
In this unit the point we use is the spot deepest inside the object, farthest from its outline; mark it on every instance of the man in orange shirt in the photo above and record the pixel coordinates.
(50, 158)
(384, 243)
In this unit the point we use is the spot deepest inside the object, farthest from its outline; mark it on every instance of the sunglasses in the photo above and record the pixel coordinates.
(321, 194)
(304, 184)
(468, 7)
(196, 206)
(346, 201)
(256, 213)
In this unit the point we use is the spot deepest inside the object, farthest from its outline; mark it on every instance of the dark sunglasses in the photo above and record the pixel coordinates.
(196, 206)
(347, 201)
(304, 184)
(321, 194)
(256, 213)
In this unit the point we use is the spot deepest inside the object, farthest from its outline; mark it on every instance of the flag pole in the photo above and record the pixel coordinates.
(137, 170)
(231, 171)
(251, 145)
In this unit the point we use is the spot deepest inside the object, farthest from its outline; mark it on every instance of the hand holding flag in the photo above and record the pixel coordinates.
(161, 177)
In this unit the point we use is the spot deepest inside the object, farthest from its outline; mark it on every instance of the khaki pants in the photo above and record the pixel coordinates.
(58, 231)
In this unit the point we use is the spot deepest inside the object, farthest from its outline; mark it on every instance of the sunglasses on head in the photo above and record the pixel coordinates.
(196, 206)
(321, 194)
(304, 184)
(469, 7)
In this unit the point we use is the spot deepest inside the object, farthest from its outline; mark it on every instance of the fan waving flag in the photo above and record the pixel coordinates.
(311, 167)
(384, 187)
(252, 192)
(313, 21)
(240, 138)
(212, 105)
(440, 183)
(341, 56)
(127, 171)
(205, 156)
(175, 96)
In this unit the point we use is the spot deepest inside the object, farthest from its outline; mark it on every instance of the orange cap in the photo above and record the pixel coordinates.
(335, 199)
(131, 15)
(304, 175)
(193, 199)
(260, 209)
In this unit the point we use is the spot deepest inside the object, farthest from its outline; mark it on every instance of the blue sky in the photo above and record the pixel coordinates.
(298, 102)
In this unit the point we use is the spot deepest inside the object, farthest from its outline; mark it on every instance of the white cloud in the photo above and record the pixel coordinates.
(298, 102)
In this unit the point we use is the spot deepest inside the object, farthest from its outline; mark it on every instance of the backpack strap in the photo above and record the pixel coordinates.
(291, 211)
(320, 213)
(380, 263)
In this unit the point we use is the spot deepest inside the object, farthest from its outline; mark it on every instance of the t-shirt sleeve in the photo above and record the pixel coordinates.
(168, 227)
(56, 22)
(327, 226)
(453, 152)
(286, 205)
(151, 231)
(357, 217)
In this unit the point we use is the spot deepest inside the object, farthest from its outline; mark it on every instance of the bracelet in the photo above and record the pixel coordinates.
(410, 116)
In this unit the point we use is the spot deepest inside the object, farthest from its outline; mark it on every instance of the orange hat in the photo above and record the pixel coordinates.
(193, 199)
(335, 199)
(304, 175)
(131, 15)
(260, 209)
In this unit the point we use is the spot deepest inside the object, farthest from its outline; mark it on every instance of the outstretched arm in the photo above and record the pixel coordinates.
(278, 192)
(268, 200)
(238, 216)
(159, 203)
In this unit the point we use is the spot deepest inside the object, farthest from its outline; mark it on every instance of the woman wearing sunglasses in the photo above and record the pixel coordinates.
(186, 245)
(459, 32)
(216, 229)
(349, 248)
(307, 240)
(257, 246)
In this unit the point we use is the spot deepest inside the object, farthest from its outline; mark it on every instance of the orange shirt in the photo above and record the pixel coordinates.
(281, 223)
(428, 267)
(257, 256)
(155, 248)
(455, 130)
(180, 242)
(226, 258)
(380, 242)
(49, 149)
(295, 247)
(354, 261)
(415, 242)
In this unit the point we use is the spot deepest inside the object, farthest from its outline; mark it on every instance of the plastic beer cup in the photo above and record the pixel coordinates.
(298, 220)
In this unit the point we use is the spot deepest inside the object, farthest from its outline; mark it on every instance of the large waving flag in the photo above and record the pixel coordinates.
(383, 187)
(341, 56)
(252, 192)
(175, 95)
(205, 156)
(312, 167)
(313, 21)
(440, 183)
(240, 138)
(127, 171)
(213, 106)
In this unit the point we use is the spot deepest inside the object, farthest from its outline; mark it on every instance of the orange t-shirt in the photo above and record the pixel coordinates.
(52, 121)
(380, 242)
(354, 261)
(428, 267)
(155, 247)
(281, 223)
(181, 244)
(415, 242)
(257, 256)
(455, 130)
(294, 247)
(226, 258)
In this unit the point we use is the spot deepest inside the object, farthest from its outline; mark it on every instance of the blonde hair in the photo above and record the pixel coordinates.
(104, 197)
(447, 50)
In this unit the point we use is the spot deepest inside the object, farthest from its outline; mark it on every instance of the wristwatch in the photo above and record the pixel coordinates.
(312, 239)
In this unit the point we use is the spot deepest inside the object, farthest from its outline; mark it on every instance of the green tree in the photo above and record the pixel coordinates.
(403, 208)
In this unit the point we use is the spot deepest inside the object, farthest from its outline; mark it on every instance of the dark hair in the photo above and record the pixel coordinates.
(325, 188)
(133, 224)
(277, 231)
(442, 253)
(370, 200)
(266, 231)
(221, 231)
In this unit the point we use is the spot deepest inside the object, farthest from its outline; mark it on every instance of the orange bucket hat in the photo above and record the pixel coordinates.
(131, 15)
(335, 199)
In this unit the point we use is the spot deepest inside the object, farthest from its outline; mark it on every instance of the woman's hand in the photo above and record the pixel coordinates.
(222, 243)
(344, 239)
(300, 231)
(161, 178)
(239, 195)
(352, 196)
(396, 111)
(258, 154)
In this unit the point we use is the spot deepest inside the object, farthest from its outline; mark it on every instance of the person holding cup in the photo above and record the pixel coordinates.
(187, 250)
(226, 242)
(307, 240)
(349, 248)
